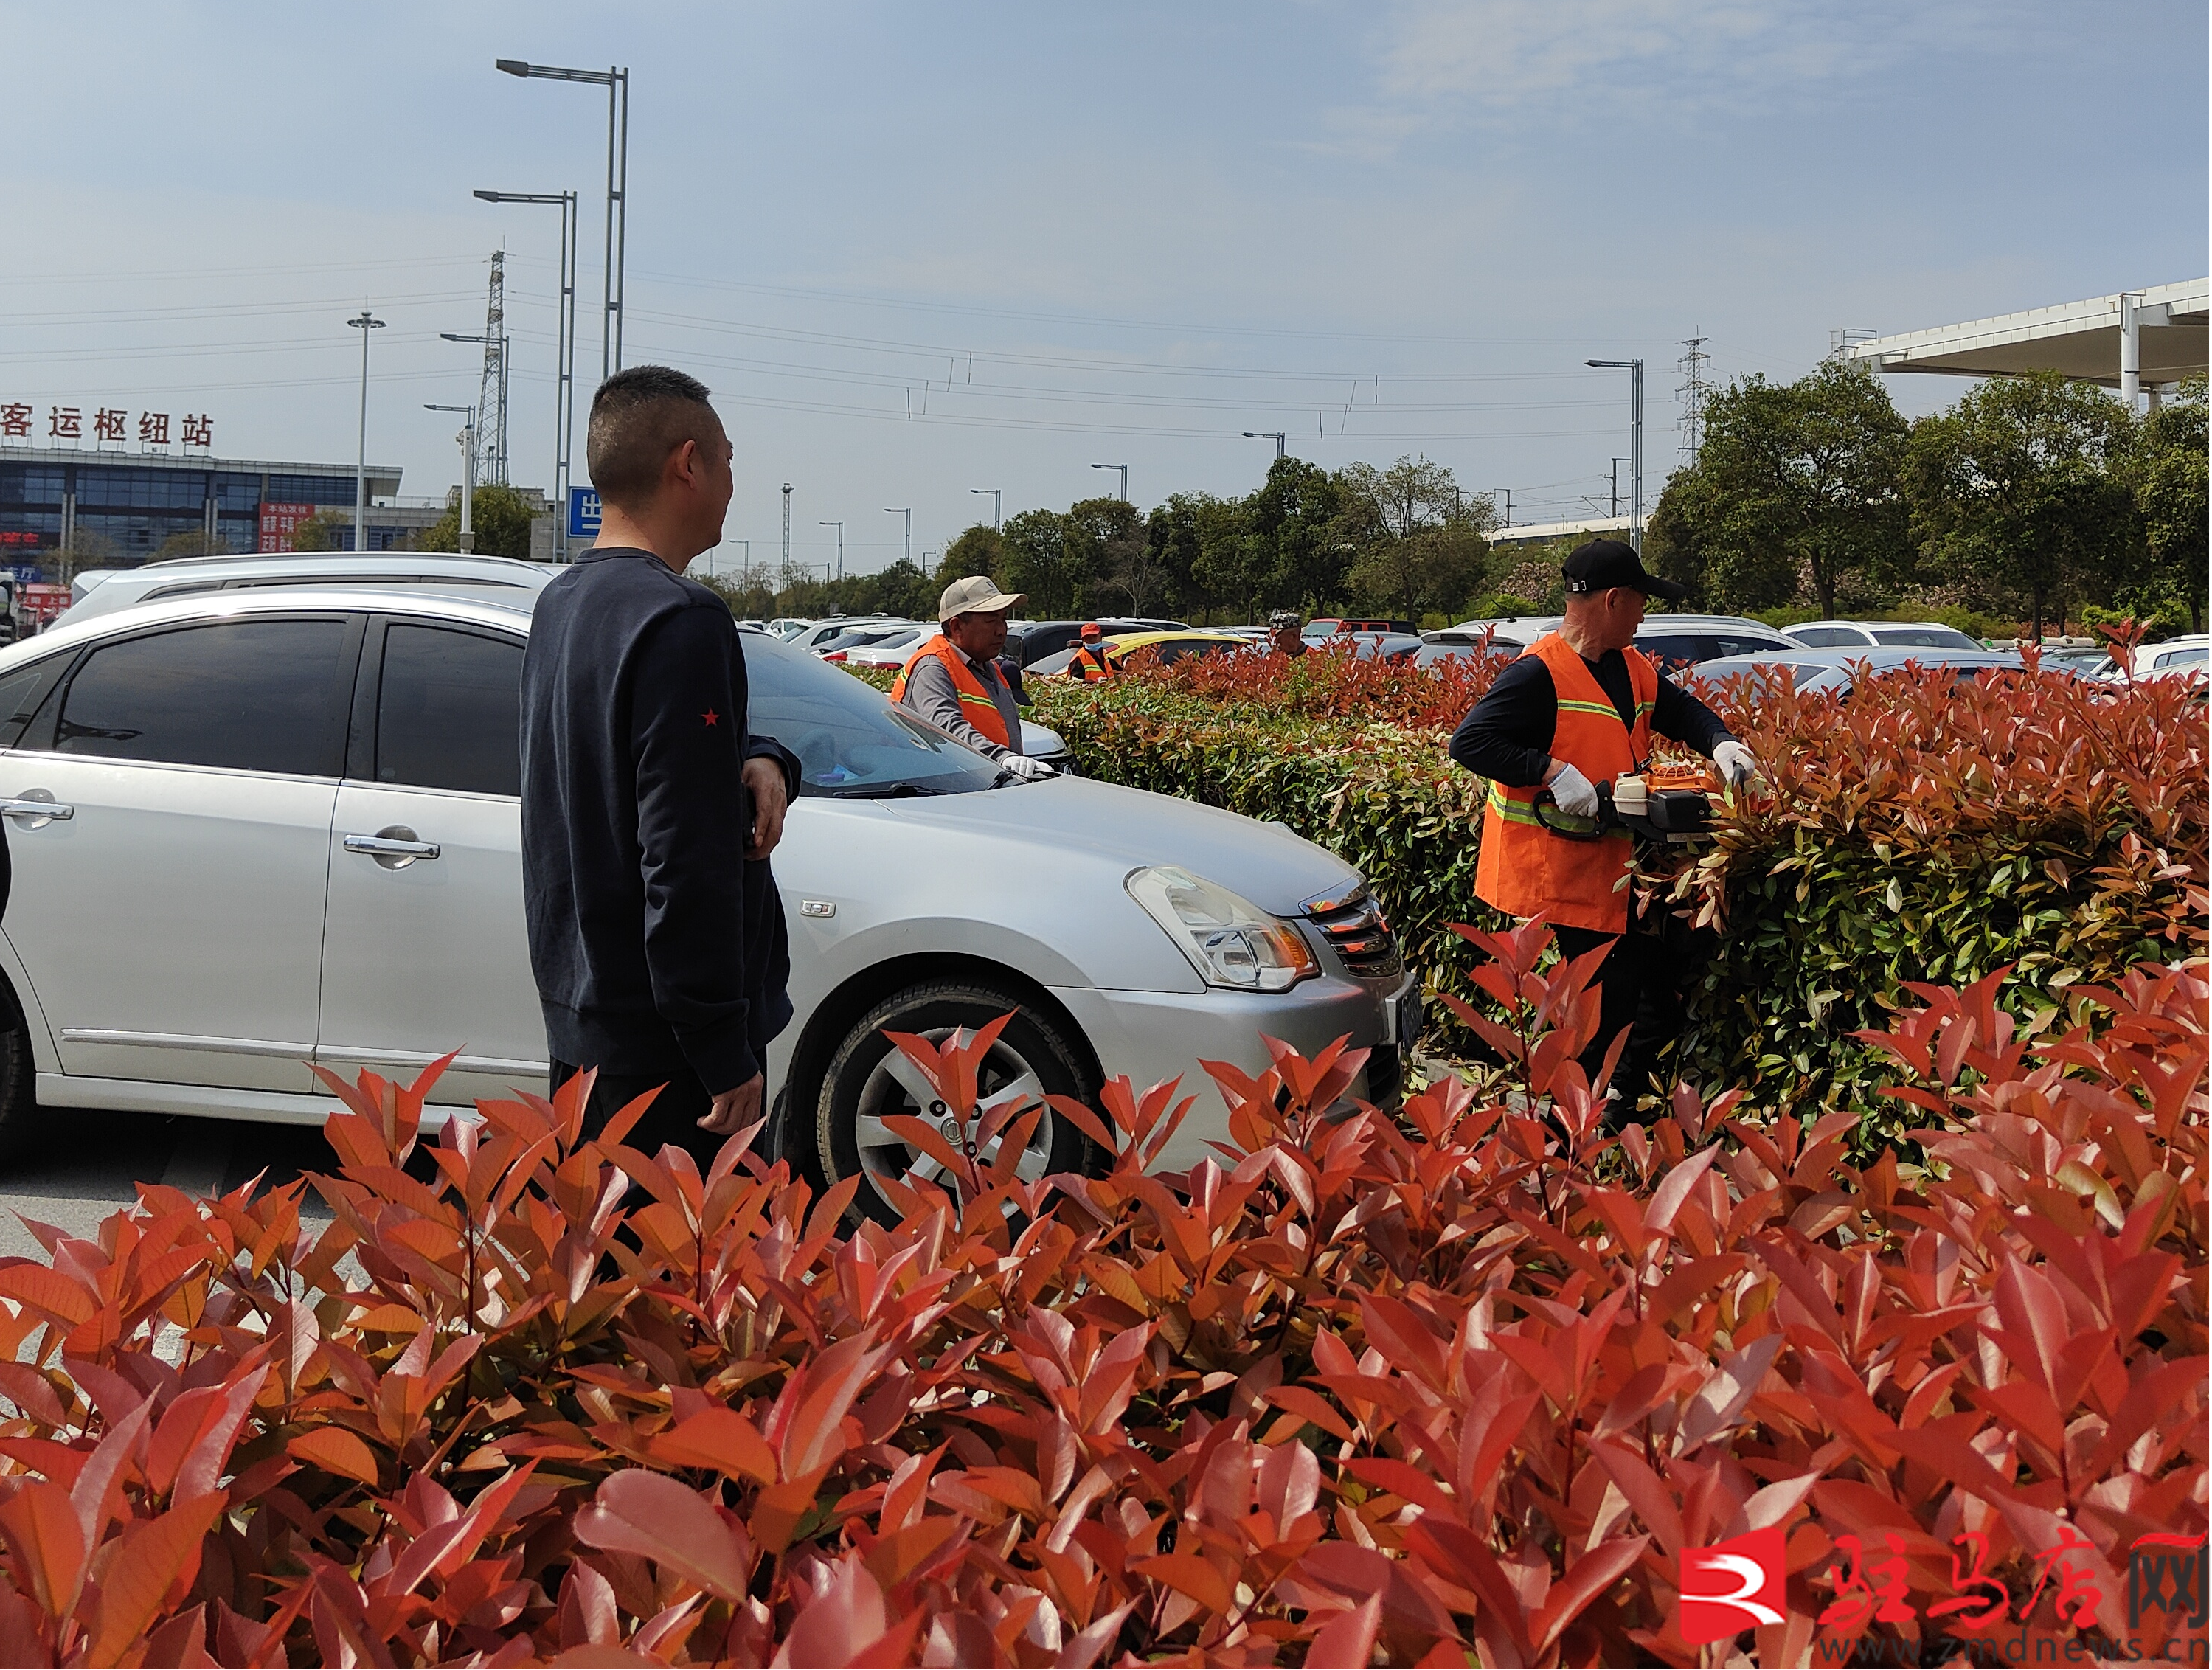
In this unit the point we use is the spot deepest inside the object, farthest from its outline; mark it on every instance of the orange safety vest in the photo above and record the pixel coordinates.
(1522, 867)
(976, 706)
(1090, 663)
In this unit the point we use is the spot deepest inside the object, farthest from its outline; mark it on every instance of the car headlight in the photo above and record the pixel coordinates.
(1230, 941)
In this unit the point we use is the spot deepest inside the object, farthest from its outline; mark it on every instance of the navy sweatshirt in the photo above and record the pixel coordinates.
(657, 946)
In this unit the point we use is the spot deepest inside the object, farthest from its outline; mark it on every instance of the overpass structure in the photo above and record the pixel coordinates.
(2132, 341)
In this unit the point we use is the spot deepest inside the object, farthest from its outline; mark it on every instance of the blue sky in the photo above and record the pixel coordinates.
(1067, 235)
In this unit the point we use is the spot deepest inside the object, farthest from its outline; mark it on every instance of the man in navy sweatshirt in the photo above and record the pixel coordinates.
(648, 811)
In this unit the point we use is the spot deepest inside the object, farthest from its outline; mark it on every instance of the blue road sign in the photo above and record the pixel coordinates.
(583, 512)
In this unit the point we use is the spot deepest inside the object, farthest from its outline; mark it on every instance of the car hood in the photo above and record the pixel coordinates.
(1275, 868)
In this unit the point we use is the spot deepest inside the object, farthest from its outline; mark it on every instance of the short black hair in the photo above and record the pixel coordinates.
(638, 416)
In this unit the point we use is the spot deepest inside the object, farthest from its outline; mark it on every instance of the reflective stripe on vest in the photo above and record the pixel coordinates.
(1090, 663)
(1522, 868)
(976, 706)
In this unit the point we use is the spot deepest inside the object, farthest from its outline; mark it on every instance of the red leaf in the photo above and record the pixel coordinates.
(636, 1512)
(155, 1558)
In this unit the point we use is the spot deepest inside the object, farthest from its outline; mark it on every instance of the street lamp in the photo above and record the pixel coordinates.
(1635, 368)
(993, 492)
(786, 524)
(468, 437)
(1617, 463)
(495, 446)
(840, 526)
(1124, 469)
(365, 323)
(564, 380)
(616, 82)
(906, 512)
(1279, 436)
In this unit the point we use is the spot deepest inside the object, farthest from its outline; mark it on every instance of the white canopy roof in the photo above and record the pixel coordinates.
(2080, 340)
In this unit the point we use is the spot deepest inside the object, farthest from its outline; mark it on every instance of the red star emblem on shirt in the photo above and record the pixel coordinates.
(711, 717)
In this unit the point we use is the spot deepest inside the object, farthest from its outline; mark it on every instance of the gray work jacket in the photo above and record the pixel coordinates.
(929, 692)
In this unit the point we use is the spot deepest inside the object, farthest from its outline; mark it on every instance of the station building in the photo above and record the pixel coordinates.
(115, 509)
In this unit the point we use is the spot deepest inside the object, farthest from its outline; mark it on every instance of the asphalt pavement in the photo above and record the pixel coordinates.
(85, 1163)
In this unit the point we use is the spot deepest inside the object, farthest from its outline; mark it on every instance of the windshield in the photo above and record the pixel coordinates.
(850, 740)
(1922, 637)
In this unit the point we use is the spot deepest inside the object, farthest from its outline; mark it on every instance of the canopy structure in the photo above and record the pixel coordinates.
(2135, 339)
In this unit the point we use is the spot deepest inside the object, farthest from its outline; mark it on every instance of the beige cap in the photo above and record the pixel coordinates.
(978, 594)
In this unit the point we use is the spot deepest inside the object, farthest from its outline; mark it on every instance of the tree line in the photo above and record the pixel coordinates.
(2032, 499)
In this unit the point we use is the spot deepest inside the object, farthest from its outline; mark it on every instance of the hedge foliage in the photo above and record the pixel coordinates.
(1915, 829)
(1460, 1382)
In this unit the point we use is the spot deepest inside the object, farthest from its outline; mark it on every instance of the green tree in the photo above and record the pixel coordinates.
(2018, 498)
(1040, 561)
(192, 542)
(325, 530)
(1795, 487)
(1187, 536)
(499, 518)
(1434, 570)
(978, 550)
(2166, 471)
(1308, 525)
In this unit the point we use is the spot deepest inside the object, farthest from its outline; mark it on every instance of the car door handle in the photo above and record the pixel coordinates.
(38, 809)
(394, 847)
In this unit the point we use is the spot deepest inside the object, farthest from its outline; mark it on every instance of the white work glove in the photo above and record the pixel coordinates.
(1022, 766)
(1737, 767)
(1574, 792)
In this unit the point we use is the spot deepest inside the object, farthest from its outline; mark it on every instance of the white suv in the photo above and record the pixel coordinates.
(255, 830)
(99, 590)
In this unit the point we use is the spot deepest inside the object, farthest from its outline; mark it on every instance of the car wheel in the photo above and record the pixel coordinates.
(869, 1080)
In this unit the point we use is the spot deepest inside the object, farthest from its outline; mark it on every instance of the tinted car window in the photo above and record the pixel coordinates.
(848, 738)
(449, 711)
(1735, 643)
(21, 692)
(1922, 637)
(247, 695)
(1676, 649)
(1826, 637)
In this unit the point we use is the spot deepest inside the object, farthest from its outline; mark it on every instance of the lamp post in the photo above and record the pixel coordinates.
(616, 82)
(1279, 436)
(495, 446)
(906, 512)
(1635, 368)
(468, 539)
(365, 323)
(786, 524)
(840, 526)
(564, 380)
(993, 492)
(1124, 469)
(1617, 463)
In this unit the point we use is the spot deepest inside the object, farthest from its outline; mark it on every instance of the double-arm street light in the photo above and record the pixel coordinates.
(1279, 436)
(1124, 469)
(1635, 368)
(993, 492)
(840, 526)
(906, 511)
(365, 323)
(564, 381)
(468, 439)
(616, 82)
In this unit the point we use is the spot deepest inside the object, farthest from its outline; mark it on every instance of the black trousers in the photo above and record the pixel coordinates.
(1639, 989)
(673, 1117)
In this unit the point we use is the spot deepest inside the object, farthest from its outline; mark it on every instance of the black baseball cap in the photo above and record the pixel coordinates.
(1599, 565)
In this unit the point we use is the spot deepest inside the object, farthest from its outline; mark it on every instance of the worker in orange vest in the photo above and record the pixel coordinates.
(1091, 660)
(953, 680)
(1577, 708)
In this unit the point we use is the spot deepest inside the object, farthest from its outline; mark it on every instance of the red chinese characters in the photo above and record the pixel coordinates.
(199, 431)
(64, 422)
(153, 427)
(14, 419)
(109, 422)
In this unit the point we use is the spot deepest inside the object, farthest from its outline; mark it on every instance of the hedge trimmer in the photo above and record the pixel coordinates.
(1660, 805)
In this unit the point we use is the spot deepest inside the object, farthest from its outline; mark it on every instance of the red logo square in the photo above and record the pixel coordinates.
(1732, 1586)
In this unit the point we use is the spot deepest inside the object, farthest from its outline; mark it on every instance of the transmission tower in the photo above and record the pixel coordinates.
(1693, 392)
(491, 400)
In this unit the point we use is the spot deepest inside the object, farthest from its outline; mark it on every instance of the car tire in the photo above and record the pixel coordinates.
(867, 1079)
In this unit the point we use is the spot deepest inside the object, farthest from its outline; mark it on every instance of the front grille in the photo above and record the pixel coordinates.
(1352, 924)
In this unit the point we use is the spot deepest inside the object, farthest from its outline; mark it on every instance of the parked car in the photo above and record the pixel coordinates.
(859, 634)
(1030, 641)
(1170, 646)
(256, 829)
(1677, 640)
(2176, 658)
(819, 634)
(878, 648)
(101, 590)
(786, 627)
(1842, 668)
(1884, 634)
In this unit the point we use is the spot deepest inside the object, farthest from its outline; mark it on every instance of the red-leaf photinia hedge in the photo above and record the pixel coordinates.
(1469, 1382)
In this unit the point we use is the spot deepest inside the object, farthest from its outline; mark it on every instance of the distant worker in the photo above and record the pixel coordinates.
(1091, 662)
(1577, 708)
(953, 680)
(1286, 636)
